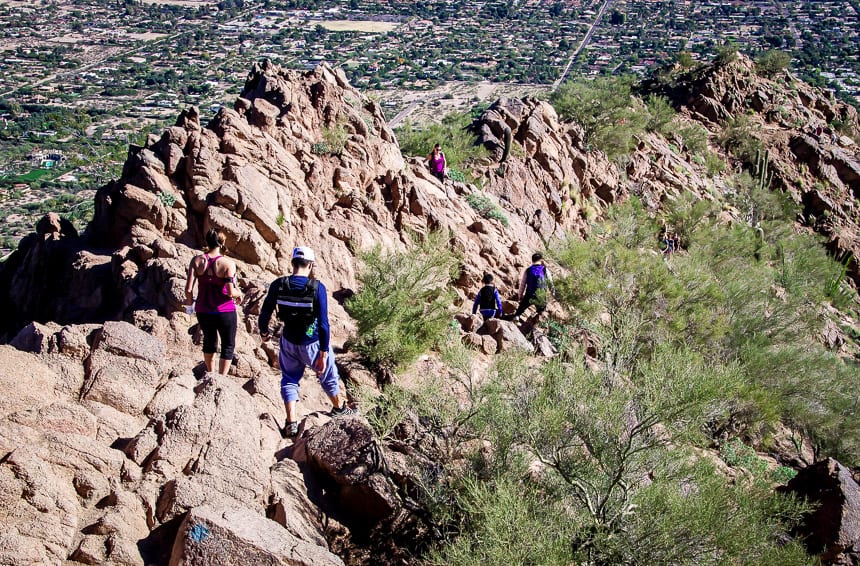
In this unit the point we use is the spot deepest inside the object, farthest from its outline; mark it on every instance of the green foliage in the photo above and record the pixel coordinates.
(740, 138)
(694, 138)
(456, 175)
(402, 308)
(769, 63)
(333, 142)
(580, 472)
(604, 107)
(726, 53)
(167, 199)
(280, 219)
(458, 144)
(714, 164)
(486, 207)
(660, 114)
(738, 455)
(835, 287)
(749, 293)
(685, 59)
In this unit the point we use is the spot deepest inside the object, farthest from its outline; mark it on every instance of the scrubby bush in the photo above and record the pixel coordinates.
(580, 472)
(740, 137)
(458, 144)
(694, 138)
(604, 107)
(402, 307)
(486, 207)
(660, 114)
(726, 53)
(772, 62)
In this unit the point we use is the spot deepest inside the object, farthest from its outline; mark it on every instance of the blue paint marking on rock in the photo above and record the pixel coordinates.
(199, 533)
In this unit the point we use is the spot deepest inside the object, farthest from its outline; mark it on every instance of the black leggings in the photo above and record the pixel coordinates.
(217, 324)
(524, 304)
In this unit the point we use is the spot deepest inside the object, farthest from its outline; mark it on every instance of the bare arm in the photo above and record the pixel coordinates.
(232, 289)
(189, 282)
(523, 285)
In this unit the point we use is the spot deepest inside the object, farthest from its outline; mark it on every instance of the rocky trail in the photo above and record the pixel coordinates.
(116, 449)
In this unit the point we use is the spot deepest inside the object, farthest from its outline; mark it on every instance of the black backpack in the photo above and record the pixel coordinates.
(487, 300)
(298, 308)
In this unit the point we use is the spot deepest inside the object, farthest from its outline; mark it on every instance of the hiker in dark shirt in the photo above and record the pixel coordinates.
(305, 339)
(534, 285)
(488, 299)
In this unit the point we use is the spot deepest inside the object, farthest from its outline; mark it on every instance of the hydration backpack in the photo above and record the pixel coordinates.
(297, 308)
(535, 278)
(487, 300)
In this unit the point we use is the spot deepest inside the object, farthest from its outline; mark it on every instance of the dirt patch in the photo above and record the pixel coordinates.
(358, 25)
(148, 36)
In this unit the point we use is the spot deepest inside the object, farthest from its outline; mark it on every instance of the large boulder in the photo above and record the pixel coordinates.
(206, 452)
(213, 536)
(832, 529)
(346, 453)
(125, 368)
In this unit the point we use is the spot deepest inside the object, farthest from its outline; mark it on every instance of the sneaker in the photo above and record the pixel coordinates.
(290, 429)
(344, 411)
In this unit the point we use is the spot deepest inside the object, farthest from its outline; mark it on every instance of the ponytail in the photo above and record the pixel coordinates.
(214, 239)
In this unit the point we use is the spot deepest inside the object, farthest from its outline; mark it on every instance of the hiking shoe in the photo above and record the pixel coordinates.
(344, 411)
(290, 429)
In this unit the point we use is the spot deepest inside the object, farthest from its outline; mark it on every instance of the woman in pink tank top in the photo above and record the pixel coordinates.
(217, 297)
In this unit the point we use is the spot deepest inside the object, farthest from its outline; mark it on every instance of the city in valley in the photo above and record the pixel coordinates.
(81, 79)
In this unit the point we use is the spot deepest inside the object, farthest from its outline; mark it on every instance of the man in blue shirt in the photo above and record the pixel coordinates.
(302, 305)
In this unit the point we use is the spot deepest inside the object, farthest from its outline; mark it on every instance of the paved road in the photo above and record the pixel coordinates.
(404, 113)
(582, 44)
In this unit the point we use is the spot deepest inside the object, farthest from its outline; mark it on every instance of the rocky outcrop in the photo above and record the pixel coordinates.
(793, 122)
(832, 529)
(211, 535)
(300, 158)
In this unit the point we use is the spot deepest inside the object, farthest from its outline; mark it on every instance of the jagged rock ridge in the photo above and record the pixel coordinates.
(115, 453)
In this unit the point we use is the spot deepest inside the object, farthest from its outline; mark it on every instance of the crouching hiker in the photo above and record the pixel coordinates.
(488, 299)
(302, 305)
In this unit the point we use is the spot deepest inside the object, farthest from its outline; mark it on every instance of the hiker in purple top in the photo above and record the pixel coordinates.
(436, 163)
(217, 297)
(302, 305)
(488, 299)
(534, 287)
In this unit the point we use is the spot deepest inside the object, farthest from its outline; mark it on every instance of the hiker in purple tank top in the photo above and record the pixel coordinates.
(436, 163)
(217, 297)
(534, 286)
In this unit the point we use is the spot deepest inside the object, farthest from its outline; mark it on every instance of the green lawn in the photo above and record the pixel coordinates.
(33, 175)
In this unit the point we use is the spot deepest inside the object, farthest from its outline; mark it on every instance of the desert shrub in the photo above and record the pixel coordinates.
(694, 138)
(333, 140)
(750, 293)
(740, 138)
(660, 114)
(579, 473)
(486, 207)
(714, 164)
(604, 107)
(726, 53)
(402, 307)
(772, 62)
(458, 144)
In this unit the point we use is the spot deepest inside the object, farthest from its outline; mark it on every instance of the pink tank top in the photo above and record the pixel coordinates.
(437, 163)
(210, 291)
